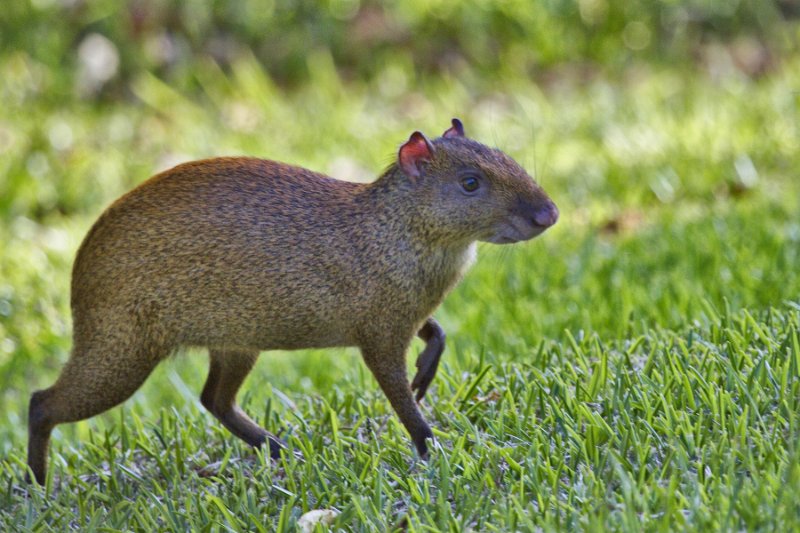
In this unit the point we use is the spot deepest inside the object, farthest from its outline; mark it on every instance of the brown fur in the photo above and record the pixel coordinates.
(243, 255)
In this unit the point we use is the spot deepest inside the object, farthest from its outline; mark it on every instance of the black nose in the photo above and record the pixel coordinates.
(545, 215)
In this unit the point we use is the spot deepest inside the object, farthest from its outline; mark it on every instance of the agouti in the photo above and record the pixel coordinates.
(243, 255)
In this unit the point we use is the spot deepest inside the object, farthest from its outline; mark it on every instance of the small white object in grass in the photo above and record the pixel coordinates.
(309, 520)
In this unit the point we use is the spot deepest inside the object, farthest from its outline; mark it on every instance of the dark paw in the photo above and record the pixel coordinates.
(421, 444)
(428, 361)
(276, 446)
(427, 365)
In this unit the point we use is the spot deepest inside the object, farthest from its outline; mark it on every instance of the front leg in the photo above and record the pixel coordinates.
(428, 361)
(387, 362)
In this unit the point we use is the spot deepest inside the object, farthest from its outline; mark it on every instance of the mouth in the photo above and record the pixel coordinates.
(511, 233)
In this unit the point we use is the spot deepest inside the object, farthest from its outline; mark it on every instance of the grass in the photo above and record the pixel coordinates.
(689, 430)
(637, 367)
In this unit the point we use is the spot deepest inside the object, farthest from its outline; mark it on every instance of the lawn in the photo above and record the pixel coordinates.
(637, 367)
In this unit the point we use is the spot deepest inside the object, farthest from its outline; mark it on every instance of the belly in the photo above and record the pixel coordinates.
(266, 324)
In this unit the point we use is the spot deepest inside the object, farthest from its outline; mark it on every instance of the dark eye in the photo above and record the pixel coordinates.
(470, 183)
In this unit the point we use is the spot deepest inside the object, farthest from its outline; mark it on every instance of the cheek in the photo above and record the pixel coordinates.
(467, 210)
(480, 214)
(489, 203)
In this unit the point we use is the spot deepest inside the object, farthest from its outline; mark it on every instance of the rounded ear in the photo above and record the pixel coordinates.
(456, 130)
(416, 150)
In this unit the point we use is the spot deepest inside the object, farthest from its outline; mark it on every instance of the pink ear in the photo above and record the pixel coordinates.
(456, 130)
(416, 150)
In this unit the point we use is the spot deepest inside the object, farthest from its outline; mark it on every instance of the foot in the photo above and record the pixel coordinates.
(427, 364)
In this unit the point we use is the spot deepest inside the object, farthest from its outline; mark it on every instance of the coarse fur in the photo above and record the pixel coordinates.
(243, 255)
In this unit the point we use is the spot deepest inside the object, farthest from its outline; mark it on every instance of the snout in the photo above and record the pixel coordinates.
(545, 215)
(526, 222)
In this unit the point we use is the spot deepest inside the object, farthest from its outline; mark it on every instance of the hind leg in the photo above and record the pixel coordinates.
(226, 373)
(91, 382)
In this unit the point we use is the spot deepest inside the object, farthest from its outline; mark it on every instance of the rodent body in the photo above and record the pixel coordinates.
(243, 255)
(193, 267)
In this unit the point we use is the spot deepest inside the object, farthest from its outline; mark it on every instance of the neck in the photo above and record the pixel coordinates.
(431, 259)
(392, 186)
(395, 200)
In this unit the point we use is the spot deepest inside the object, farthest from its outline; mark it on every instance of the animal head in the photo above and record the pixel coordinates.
(473, 191)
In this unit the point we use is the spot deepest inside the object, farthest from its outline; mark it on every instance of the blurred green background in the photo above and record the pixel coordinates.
(666, 131)
(98, 94)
